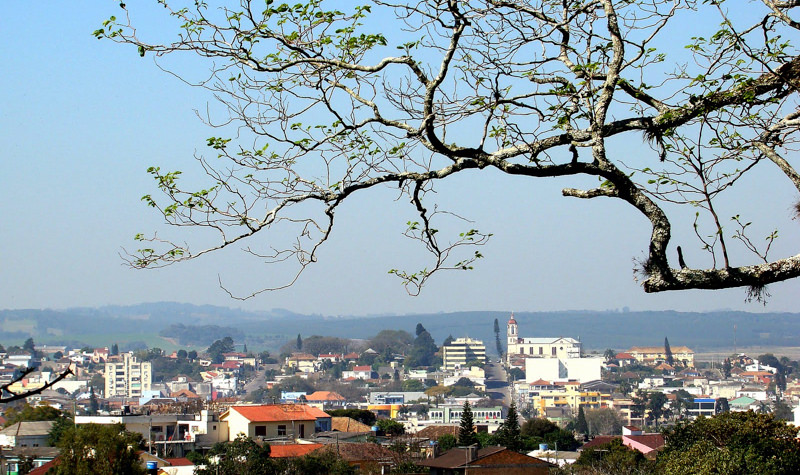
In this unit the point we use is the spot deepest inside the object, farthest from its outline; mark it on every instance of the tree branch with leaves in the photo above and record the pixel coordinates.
(324, 104)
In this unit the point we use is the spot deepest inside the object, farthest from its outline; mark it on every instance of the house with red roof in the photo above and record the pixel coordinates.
(328, 399)
(272, 421)
(488, 460)
(632, 437)
(360, 372)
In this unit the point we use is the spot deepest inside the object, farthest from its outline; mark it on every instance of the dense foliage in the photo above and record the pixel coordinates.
(732, 443)
(98, 449)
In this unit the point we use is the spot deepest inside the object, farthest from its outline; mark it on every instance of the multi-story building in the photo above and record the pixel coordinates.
(560, 347)
(461, 351)
(128, 377)
(539, 396)
(654, 355)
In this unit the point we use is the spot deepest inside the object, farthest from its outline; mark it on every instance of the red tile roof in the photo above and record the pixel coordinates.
(279, 412)
(179, 462)
(325, 396)
(362, 368)
(292, 450)
(653, 441)
(598, 440)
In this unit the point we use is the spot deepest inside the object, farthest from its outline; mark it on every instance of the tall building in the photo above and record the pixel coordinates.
(128, 378)
(461, 351)
(539, 347)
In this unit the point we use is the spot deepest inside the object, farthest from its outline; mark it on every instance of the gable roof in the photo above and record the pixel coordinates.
(292, 450)
(598, 441)
(652, 441)
(28, 428)
(278, 412)
(325, 396)
(433, 432)
(457, 458)
(348, 424)
(363, 451)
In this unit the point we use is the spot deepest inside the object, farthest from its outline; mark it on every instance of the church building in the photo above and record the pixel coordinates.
(560, 347)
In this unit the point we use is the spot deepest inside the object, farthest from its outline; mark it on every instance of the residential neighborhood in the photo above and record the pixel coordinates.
(376, 396)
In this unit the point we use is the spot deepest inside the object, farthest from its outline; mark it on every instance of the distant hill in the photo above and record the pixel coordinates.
(143, 324)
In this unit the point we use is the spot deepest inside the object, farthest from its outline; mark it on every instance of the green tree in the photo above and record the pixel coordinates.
(446, 442)
(29, 346)
(466, 428)
(182, 354)
(782, 411)
(614, 458)
(26, 412)
(114, 350)
(298, 343)
(668, 353)
(580, 426)
(722, 405)
(219, 347)
(413, 385)
(241, 456)
(726, 368)
(99, 449)
(94, 406)
(656, 403)
(682, 403)
(603, 421)
(509, 434)
(422, 351)
(497, 340)
(419, 329)
(609, 354)
(391, 428)
(516, 374)
(731, 443)
(192, 355)
(60, 426)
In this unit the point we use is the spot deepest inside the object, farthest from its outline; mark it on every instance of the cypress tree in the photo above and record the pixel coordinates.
(509, 434)
(668, 352)
(466, 431)
(581, 426)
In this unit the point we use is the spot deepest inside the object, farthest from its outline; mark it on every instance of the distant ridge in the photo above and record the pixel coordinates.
(597, 329)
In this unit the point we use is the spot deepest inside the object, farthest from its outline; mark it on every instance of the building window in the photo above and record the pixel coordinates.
(553, 350)
(261, 431)
(281, 430)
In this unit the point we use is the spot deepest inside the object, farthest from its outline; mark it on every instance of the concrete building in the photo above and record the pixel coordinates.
(128, 378)
(539, 347)
(563, 369)
(461, 351)
(170, 434)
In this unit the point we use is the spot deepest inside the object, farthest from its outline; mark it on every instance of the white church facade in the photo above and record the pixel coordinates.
(551, 359)
(560, 347)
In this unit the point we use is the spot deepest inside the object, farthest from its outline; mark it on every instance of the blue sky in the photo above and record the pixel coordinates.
(81, 120)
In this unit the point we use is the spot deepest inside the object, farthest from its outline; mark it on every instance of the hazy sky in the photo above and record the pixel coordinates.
(81, 120)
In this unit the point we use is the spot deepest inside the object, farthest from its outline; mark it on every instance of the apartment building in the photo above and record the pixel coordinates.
(461, 351)
(128, 377)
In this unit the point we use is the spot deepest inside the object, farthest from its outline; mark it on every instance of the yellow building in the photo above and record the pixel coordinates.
(655, 355)
(569, 395)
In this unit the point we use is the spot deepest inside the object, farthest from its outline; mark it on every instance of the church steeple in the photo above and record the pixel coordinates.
(511, 330)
